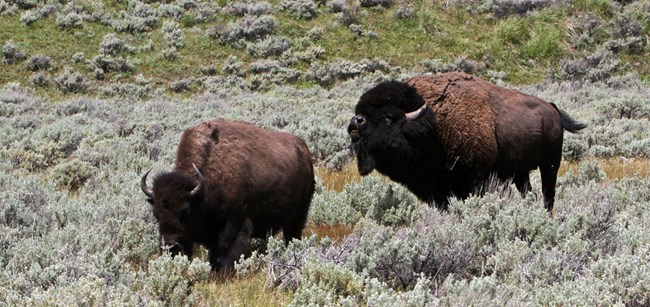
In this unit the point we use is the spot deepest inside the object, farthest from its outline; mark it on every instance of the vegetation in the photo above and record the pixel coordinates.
(94, 93)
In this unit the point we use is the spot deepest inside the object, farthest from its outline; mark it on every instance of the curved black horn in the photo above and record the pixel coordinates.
(143, 185)
(201, 182)
(415, 114)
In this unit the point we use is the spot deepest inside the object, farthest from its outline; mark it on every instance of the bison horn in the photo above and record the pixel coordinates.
(143, 185)
(200, 184)
(415, 114)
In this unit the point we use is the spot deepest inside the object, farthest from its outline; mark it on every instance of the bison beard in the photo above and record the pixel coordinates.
(232, 181)
(448, 134)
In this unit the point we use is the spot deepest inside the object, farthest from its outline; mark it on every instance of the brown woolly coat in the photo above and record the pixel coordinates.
(483, 123)
(265, 171)
(459, 100)
(252, 182)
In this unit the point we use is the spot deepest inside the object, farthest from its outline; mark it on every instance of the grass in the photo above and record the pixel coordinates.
(335, 232)
(614, 168)
(337, 179)
(246, 291)
(524, 47)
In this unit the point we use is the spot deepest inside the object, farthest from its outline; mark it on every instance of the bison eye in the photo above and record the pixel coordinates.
(388, 121)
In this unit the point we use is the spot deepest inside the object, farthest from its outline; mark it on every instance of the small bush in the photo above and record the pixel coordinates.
(405, 12)
(180, 85)
(169, 279)
(247, 28)
(373, 3)
(111, 45)
(208, 70)
(72, 175)
(598, 66)
(270, 46)
(138, 18)
(71, 82)
(102, 64)
(171, 54)
(300, 9)
(11, 54)
(585, 30)
(39, 62)
(78, 57)
(40, 79)
(172, 34)
(347, 11)
(505, 8)
(39, 13)
(8, 9)
(232, 66)
(69, 20)
(242, 8)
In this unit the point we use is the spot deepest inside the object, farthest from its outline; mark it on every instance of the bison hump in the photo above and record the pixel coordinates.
(465, 118)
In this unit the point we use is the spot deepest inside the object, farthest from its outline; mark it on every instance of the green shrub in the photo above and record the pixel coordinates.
(73, 174)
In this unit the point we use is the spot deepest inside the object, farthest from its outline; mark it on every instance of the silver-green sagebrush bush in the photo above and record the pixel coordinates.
(498, 248)
(370, 198)
(300, 9)
(11, 54)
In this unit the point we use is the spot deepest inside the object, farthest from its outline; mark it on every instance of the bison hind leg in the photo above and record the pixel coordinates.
(549, 177)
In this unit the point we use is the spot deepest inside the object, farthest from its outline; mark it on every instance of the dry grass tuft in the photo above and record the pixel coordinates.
(245, 291)
(337, 179)
(335, 232)
(614, 168)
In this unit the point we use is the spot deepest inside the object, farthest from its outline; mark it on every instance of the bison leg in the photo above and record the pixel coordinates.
(549, 177)
(294, 229)
(232, 245)
(522, 182)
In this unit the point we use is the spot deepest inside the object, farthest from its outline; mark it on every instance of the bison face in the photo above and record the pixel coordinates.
(390, 121)
(173, 198)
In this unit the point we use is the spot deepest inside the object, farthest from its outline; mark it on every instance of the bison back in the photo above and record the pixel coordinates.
(268, 174)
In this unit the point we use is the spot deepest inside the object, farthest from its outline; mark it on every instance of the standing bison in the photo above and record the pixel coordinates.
(447, 134)
(232, 181)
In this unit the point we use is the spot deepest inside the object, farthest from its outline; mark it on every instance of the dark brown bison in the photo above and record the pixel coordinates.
(447, 134)
(232, 181)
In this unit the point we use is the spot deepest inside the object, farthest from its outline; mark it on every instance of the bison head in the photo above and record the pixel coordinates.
(391, 123)
(173, 197)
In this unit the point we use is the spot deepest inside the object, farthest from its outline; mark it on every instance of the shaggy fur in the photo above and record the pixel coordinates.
(257, 182)
(471, 130)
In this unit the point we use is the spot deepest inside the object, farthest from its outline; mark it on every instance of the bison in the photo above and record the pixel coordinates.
(231, 181)
(448, 134)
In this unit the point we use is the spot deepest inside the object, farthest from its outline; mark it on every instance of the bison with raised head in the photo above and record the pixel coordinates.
(448, 134)
(232, 181)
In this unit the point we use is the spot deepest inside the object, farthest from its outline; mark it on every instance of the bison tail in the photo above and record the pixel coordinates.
(568, 123)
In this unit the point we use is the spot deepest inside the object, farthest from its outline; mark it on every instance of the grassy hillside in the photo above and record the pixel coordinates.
(94, 93)
(162, 43)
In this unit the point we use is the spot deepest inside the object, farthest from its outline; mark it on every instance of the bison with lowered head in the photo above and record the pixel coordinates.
(447, 134)
(232, 181)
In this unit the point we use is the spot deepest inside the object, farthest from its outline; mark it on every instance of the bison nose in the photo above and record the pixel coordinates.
(356, 122)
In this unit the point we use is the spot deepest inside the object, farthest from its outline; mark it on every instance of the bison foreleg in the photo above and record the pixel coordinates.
(522, 182)
(234, 241)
